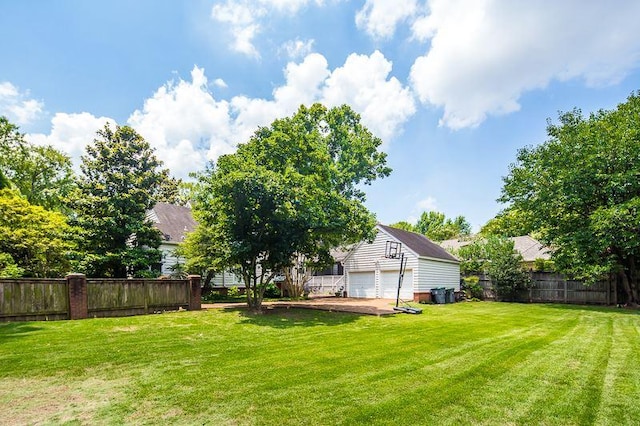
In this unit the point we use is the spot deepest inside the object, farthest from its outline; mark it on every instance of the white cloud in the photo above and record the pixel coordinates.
(363, 82)
(183, 121)
(187, 126)
(427, 205)
(71, 133)
(243, 22)
(486, 53)
(17, 106)
(295, 49)
(379, 18)
(245, 19)
(220, 83)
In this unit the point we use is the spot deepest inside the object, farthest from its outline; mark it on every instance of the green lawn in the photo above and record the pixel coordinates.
(467, 363)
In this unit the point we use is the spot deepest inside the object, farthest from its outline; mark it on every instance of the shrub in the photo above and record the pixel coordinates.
(543, 265)
(272, 291)
(472, 288)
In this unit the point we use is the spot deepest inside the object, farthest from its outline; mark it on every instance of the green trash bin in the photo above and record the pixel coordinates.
(438, 295)
(450, 296)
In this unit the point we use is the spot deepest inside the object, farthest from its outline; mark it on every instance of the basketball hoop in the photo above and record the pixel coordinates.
(393, 250)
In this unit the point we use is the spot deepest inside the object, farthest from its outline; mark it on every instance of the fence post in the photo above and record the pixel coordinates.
(78, 298)
(195, 292)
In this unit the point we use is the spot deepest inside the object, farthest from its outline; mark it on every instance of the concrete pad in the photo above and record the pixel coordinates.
(333, 304)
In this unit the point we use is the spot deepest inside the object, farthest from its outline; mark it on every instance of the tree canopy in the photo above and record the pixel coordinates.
(121, 180)
(292, 189)
(510, 222)
(581, 190)
(34, 242)
(42, 174)
(437, 227)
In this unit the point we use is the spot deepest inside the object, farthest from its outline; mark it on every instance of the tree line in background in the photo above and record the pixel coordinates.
(291, 193)
(437, 227)
(279, 204)
(53, 221)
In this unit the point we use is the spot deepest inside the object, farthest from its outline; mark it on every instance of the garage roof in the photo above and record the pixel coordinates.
(419, 244)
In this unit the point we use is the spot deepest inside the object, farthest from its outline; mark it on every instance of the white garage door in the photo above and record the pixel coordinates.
(362, 284)
(389, 284)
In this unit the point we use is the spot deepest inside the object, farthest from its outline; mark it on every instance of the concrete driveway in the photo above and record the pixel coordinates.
(329, 303)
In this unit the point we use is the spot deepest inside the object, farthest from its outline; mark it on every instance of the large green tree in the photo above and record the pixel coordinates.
(437, 227)
(581, 189)
(510, 222)
(121, 180)
(42, 174)
(33, 241)
(292, 189)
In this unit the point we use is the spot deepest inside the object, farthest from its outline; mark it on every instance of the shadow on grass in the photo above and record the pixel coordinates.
(595, 308)
(283, 317)
(13, 330)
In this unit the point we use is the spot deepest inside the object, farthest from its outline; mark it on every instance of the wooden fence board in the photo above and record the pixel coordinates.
(33, 298)
(554, 288)
(38, 299)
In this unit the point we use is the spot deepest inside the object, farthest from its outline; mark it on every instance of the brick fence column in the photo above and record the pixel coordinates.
(195, 292)
(78, 301)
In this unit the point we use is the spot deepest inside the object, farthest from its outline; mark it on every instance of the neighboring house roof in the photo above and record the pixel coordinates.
(339, 254)
(174, 221)
(530, 248)
(419, 244)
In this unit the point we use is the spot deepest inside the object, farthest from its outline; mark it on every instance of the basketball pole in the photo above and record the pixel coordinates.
(403, 264)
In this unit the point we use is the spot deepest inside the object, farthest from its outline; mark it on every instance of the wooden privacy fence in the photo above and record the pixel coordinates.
(76, 297)
(548, 287)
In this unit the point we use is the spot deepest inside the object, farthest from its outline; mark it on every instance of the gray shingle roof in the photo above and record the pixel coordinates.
(419, 244)
(530, 248)
(173, 221)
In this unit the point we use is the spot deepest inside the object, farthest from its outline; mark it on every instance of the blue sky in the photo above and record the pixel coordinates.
(453, 87)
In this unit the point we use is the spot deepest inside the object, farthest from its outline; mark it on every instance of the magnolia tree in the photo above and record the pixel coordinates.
(120, 180)
(286, 197)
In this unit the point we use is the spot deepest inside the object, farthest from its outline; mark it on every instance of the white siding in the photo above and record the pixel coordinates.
(227, 279)
(369, 258)
(437, 274)
(169, 257)
(389, 285)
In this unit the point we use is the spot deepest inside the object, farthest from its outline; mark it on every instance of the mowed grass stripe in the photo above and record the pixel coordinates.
(474, 363)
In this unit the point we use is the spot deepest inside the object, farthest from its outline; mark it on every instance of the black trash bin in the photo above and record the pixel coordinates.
(438, 295)
(450, 296)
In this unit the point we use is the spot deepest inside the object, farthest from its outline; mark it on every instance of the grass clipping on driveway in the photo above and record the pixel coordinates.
(467, 363)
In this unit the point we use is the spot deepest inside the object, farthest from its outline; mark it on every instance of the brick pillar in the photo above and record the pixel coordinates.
(195, 292)
(78, 304)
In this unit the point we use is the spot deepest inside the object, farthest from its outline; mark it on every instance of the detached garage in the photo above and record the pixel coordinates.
(369, 274)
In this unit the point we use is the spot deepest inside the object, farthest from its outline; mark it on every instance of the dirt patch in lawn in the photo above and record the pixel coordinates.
(54, 400)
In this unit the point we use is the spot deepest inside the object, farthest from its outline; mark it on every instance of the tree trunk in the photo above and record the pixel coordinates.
(207, 279)
(624, 278)
(633, 281)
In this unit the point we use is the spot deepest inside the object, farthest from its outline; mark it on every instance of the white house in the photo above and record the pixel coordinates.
(369, 274)
(174, 222)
